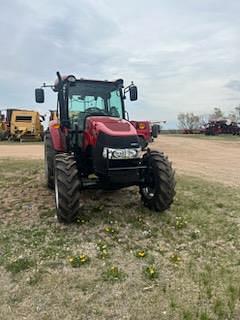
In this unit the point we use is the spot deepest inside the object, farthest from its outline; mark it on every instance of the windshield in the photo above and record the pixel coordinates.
(86, 99)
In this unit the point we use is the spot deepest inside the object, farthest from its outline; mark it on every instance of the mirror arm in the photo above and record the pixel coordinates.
(47, 86)
(52, 86)
(127, 89)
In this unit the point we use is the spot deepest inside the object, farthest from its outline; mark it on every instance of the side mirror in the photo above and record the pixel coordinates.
(155, 131)
(133, 93)
(39, 95)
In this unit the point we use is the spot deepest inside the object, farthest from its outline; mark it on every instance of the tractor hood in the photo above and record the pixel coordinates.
(110, 125)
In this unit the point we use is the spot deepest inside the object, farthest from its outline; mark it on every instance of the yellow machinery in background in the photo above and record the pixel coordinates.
(3, 127)
(25, 125)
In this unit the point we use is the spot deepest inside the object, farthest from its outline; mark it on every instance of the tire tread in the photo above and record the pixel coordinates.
(165, 176)
(68, 187)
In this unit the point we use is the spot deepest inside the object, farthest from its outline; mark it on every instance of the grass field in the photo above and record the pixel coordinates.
(119, 261)
(222, 137)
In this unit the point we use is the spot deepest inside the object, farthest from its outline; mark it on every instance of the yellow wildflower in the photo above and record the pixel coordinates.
(141, 253)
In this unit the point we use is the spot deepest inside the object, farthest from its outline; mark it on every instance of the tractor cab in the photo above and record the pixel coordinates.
(91, 144)
(80, 98)
(92, 98)
(84, 104)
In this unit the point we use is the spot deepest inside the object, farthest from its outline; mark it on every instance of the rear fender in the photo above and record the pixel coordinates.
(57, 137)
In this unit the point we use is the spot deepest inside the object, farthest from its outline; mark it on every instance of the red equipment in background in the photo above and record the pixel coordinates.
(144, 132)
(147, 130)
(222, 126)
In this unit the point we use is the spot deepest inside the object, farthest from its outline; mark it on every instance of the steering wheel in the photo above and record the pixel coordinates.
(95, 110)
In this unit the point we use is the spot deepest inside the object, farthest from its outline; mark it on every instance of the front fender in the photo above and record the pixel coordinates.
(57, 136)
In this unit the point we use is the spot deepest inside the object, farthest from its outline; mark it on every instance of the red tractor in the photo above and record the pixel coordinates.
(92, 145)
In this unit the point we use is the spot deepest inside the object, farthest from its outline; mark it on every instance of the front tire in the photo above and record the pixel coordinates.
(158, 188)
(67, 188)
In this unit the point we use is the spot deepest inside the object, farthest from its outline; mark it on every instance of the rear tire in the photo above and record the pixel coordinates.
(158, 188)
(67, 188)
(49, 155)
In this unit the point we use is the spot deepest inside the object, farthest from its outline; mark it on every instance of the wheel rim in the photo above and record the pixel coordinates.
(56, 192)
(149, 186)
(148, 192)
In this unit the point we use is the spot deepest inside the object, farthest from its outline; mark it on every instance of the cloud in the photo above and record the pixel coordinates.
(234, 85)
(182, 56)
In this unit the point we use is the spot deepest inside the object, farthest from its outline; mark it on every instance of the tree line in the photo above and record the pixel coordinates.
(191, 121)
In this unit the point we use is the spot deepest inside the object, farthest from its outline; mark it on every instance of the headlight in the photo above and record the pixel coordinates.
(119, 154)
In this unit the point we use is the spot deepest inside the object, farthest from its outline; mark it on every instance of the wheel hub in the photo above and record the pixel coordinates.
(149, 186)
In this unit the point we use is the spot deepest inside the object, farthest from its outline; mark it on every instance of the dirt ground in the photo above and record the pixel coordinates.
(21, 151)
(214, 160)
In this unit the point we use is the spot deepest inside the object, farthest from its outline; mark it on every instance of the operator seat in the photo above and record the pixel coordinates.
(81, 120)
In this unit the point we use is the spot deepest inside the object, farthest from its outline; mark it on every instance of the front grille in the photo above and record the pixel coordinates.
(101, 165)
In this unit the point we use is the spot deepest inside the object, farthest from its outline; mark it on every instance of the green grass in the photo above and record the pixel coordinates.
(113, 273)
(19, 264)
(190, 268)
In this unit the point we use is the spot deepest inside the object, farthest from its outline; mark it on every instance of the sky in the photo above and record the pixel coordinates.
(184, 56)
